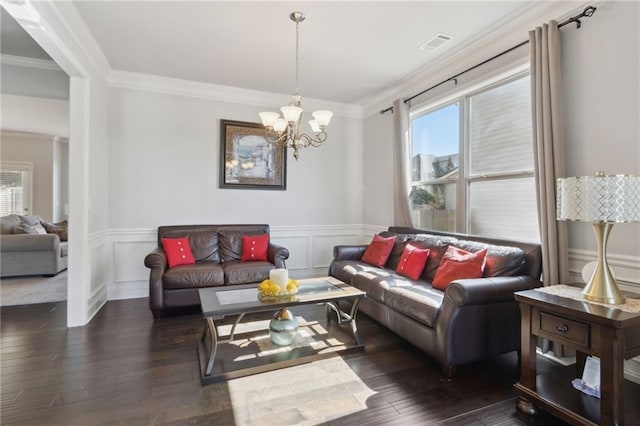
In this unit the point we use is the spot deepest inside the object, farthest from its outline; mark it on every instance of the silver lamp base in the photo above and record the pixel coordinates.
(602, 285)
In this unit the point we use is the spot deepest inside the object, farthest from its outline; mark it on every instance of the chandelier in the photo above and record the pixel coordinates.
(285, 130)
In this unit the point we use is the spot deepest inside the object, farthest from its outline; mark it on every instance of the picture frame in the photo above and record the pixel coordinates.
(247, 160)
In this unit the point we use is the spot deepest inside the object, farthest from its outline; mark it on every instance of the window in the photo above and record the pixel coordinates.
(15, 188)
(472, 163)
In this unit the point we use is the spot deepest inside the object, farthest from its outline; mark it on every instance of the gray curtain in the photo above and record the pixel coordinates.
(548, 140)
(401, 164)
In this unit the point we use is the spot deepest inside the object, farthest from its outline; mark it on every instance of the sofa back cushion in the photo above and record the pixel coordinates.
(203, 240)
(398, 248)
(501, 260)
(8, 223)
(437, 245)
(231, 239)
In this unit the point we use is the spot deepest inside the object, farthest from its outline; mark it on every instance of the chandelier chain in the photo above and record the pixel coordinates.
(297, 56)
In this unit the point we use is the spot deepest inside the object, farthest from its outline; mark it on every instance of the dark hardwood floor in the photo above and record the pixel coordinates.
(124, 368)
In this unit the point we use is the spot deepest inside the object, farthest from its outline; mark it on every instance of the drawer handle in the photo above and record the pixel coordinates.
(562, 328)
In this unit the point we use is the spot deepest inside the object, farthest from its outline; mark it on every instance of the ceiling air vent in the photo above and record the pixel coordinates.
(436, 41)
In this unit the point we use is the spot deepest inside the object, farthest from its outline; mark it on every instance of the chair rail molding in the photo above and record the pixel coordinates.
(627, 268)
(310, 248)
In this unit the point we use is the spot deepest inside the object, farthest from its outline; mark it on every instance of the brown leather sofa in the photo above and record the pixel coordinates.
(217, 250)
(472, 319)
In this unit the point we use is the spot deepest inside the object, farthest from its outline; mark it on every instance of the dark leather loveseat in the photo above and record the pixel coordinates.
(217, 250)
(472, 319)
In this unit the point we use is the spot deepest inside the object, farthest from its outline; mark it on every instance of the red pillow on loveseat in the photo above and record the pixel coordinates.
(254, 247)
(178, 251)
(378, 251)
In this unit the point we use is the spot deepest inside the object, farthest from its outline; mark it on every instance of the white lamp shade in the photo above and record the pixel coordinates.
(322, 117)
(280, 125)
(291, 113)
(600, 198)
(268, 118)
(314, 126)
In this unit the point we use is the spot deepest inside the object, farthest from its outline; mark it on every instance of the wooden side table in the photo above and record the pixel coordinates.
(607, 333)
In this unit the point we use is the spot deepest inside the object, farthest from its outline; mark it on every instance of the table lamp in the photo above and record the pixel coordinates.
(603, 200)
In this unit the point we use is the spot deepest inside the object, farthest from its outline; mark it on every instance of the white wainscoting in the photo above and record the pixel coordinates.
(626, 268)
(98, 289)
(310, 252)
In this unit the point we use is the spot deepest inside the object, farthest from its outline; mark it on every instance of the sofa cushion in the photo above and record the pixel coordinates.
(417, 300)
(345, 270)
(203, 274)
(178, 251)
(61, 229)
(437, 245)
(8, 223)
(231, 244)
(32, 219)
(398, 248)
(254, 247)
(204, 245)
(412, 261)
(379, 250)
(501, 260)
(459, 264)
(238, 272)
(375, 282)
(25, 228)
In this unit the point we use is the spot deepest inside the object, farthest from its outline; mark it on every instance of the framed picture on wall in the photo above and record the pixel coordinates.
(247, 160)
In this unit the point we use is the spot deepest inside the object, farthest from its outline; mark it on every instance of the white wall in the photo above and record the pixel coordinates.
(35, 115)
(38, 150)
(601, 76)
(164, 158)
(601, 95)
(33, 78)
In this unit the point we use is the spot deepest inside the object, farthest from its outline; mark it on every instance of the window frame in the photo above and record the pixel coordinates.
(464, 179)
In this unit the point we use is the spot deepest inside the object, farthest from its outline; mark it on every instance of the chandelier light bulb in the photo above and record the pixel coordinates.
(314, 126)
(322, 118)
(280, 125)
(291, 113)
(269, 118)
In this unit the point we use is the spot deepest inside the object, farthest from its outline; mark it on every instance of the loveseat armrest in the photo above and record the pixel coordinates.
(478, 291)
(30, 242)
(277, 255)
(349, 252)
(157, 262)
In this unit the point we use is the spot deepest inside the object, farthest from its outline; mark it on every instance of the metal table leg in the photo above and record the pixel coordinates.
(344, 318)
(210, 327)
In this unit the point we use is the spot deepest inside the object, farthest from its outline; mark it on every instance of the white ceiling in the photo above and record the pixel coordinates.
(349, 51)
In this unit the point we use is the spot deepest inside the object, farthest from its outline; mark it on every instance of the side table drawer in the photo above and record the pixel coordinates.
(564, 330)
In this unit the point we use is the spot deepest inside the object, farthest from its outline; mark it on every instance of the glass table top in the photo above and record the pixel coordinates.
(244, 298)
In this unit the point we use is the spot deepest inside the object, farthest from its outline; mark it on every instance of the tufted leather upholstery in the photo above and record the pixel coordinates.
(472, 319)
(217, 250)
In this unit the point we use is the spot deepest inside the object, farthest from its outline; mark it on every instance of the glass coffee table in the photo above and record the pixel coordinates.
(250, 351)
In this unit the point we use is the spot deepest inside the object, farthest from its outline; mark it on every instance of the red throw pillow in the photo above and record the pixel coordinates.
(378, 251)
(459, 264)
(412, 261)
(178, 251)
(254, 247)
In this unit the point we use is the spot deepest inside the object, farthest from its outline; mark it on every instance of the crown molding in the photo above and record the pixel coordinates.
(503, 34)
(237, 95)
(23, 61)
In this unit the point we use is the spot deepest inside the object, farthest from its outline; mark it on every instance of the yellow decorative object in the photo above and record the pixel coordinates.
(268, 290)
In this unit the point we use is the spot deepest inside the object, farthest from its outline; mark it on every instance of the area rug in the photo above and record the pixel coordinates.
(29, 290)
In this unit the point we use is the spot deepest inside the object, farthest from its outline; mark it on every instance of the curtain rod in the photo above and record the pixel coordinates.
(587, 12)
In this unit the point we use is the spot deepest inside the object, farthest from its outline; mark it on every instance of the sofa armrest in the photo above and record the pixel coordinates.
(478, 291)
(277, 255)
(349, 252)
(30, 242)
(157, 262)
